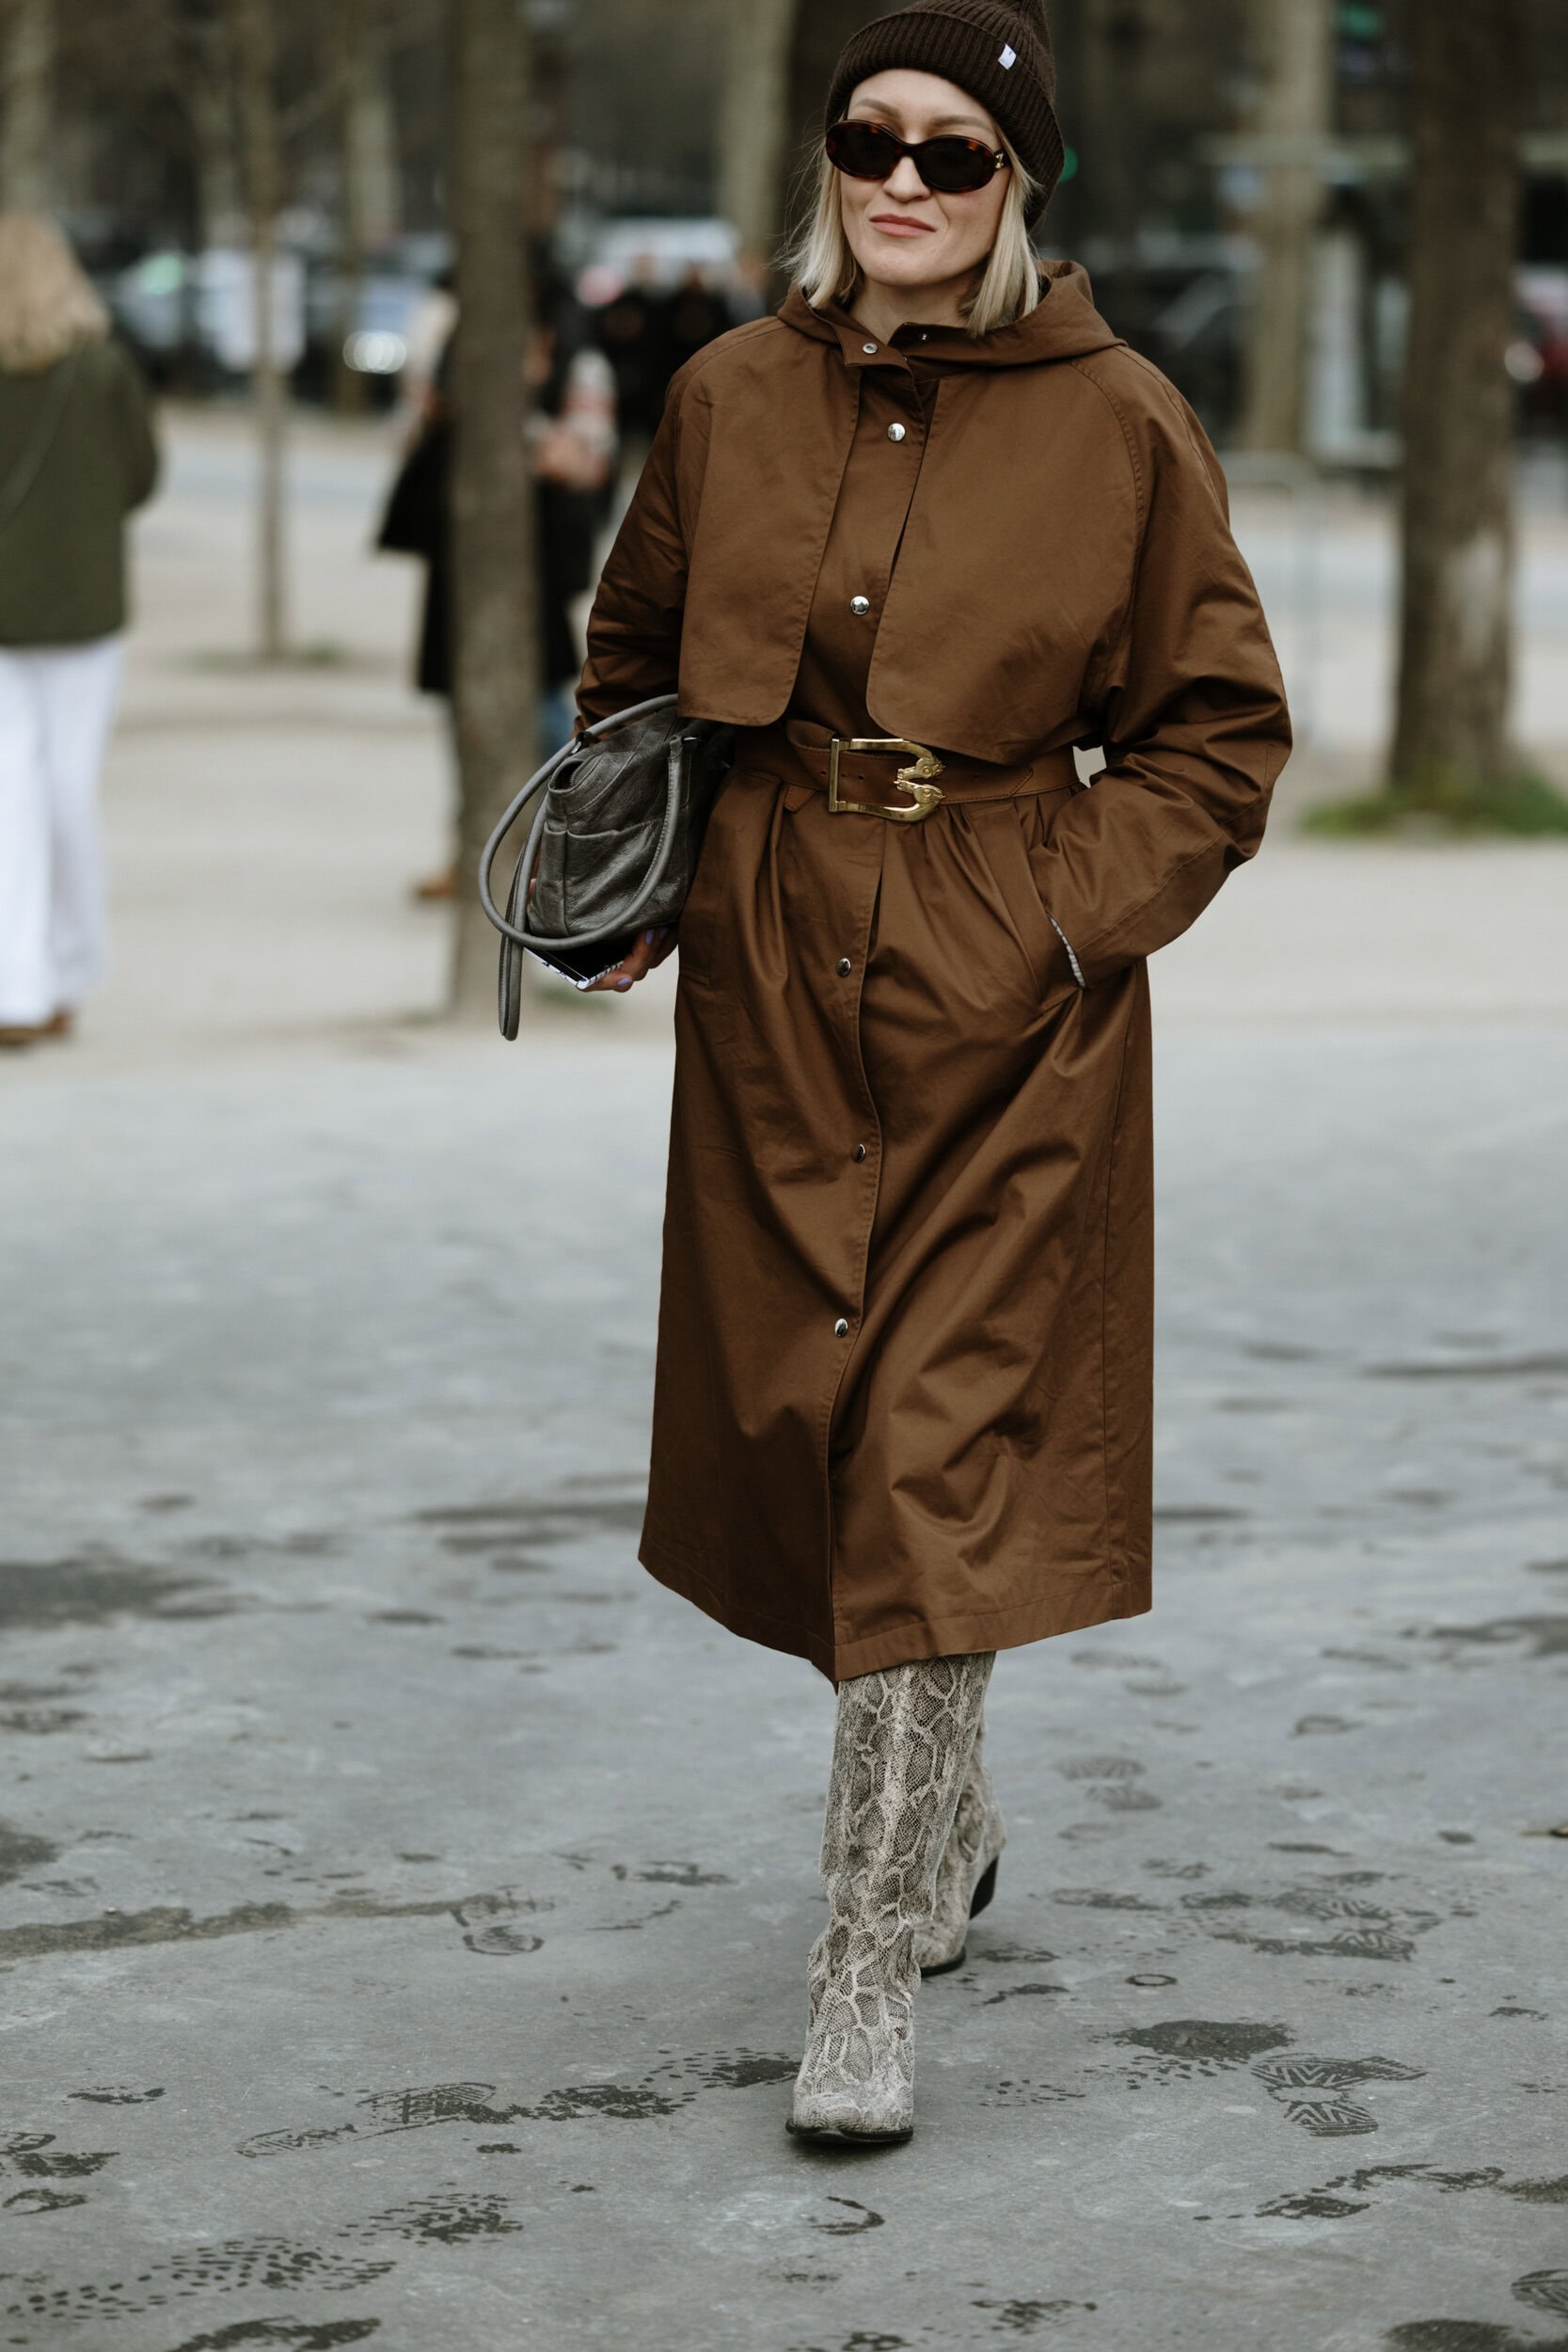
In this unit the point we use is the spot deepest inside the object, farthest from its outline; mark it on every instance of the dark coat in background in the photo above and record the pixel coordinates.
(76, 457)
(903, 1402)
(418, 521)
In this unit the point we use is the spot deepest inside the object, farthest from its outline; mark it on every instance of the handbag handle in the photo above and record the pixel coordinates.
(626, 916)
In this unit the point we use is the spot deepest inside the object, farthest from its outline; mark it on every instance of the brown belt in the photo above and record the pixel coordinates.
(853, 770)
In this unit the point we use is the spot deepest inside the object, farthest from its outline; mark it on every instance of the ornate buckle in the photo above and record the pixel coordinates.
(911, 779)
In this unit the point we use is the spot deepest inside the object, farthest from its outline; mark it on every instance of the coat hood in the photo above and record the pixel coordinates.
(1063, 325)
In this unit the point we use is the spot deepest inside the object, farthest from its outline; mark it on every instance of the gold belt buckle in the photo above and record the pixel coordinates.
(912, 779)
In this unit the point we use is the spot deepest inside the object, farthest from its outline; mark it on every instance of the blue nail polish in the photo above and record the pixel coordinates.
(647, 939)
(623, 983)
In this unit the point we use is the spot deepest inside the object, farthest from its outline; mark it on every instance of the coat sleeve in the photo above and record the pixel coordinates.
(1196, 728)
(634, 629)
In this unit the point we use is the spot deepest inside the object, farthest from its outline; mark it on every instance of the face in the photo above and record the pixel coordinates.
(902, 233)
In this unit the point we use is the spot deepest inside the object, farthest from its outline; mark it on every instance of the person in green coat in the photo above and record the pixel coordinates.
(77, 454)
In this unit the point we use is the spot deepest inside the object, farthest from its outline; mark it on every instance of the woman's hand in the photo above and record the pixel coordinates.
(560, 455)
(651, 949)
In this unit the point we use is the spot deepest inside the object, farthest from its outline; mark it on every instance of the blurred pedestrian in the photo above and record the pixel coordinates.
(695, 315)
(916, 538)
(426, 335)
(572, 436)
(76, 457)
(630, 332)
(566, 408)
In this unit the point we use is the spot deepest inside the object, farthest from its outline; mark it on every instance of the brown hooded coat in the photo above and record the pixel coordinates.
(903, 1399)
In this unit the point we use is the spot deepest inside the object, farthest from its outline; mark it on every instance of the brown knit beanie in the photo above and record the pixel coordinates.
(997, 50)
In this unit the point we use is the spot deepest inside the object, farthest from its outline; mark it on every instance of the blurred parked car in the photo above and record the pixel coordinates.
(1193, 333)
(375, 344)
(191, 316)
(195, 312)
(1537, 359)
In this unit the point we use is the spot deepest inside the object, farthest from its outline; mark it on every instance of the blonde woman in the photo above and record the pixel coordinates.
(76, 454)
(917, 538)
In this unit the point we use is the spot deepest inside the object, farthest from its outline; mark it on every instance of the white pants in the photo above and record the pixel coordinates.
(57, 709)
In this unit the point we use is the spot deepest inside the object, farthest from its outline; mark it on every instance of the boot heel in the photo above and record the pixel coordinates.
(985, 1887)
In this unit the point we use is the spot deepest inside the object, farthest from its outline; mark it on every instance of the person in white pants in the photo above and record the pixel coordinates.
(57, 709)
(76, 455)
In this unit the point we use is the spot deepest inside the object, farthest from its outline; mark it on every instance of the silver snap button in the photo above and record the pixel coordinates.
(868, 349)
(859, 1153)
(844, 967)
(895, 432)
(841, 1329)
(860, 605)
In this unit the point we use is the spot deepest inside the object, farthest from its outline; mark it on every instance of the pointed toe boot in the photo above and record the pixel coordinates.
(857, 2079)
(902, 1744)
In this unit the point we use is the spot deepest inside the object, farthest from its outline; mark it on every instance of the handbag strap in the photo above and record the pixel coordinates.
(36, 448)
(536, 783)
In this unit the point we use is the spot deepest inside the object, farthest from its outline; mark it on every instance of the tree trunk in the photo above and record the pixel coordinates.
(350, 32)
(493, 578)
(754, 120)
(367, 197)
(1111, 37)
(1292, 121)
(253, 31)
(820, 30)
(27, 79)
(1455, 638)
(207, 69)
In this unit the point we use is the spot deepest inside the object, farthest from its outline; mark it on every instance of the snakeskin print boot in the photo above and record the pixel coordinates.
(966, 1878)
(903, 1740)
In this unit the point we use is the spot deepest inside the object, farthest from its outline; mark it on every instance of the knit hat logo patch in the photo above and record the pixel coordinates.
(1007, 59)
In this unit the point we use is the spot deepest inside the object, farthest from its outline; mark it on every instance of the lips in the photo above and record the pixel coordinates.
(901, 225)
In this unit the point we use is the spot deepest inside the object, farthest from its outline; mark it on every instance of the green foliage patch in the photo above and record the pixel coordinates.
(1521, 803)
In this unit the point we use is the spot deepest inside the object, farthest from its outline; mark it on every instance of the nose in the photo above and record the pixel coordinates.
(906, 181)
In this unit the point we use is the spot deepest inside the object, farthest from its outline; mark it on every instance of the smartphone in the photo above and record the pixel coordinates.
(583, 966)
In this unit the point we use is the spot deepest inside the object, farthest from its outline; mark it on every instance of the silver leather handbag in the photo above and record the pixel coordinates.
(612, 847)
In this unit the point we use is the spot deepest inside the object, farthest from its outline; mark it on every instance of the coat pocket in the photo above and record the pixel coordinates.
(600, 873)
(1021, 834)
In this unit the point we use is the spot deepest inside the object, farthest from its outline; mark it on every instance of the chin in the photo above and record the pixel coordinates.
(895, 263)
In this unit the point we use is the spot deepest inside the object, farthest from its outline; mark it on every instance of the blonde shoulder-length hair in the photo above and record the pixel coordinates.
(822, 266)
(47, 305)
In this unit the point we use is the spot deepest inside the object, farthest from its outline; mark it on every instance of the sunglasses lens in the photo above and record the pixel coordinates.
(863, 150)
(952, 165)
(955, 167)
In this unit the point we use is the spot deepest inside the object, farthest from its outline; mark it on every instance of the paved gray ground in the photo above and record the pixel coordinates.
(406, 1902)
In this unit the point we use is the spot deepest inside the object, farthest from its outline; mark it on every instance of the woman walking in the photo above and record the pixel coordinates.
(569, 421)
(916, 538)
(76, 455)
